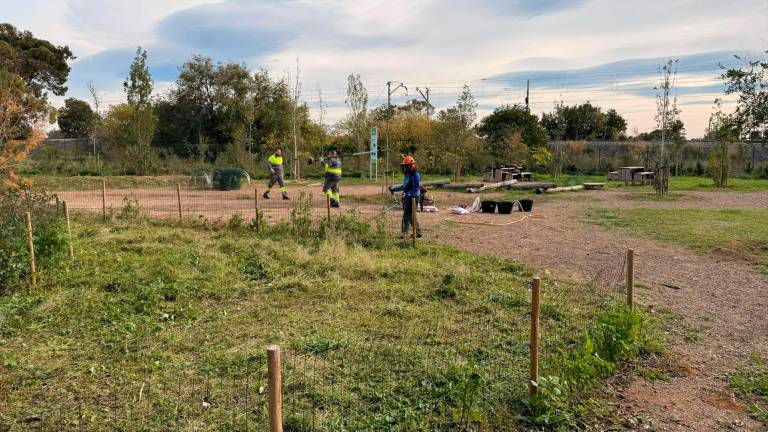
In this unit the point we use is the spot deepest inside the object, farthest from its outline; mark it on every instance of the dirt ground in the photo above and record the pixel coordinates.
(720, 298)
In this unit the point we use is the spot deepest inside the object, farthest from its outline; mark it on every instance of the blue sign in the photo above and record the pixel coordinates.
(374, 143)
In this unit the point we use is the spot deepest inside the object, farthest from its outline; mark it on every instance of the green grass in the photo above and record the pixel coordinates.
(160, 320)
(706, 184)
(751, 383)
(57, 183)
(740, 233)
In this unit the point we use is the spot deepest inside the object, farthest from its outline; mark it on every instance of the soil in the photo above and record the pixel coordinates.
(721, 299)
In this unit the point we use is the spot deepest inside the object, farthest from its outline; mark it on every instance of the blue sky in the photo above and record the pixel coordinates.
(607, 52)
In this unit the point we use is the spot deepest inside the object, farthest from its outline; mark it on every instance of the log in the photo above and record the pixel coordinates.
(463, 185)
(564, 189)
(531, 185)
(436, 183)
(492, 186)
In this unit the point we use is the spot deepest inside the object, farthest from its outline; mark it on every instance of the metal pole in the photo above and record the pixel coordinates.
(178, 199)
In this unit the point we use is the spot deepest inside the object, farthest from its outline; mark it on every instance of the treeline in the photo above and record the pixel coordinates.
(227, 114)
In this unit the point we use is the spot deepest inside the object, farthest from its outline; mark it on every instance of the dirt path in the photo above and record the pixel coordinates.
(723, 302)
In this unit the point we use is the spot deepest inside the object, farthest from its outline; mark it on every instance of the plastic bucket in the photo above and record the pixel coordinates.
(488, 206)
(526, 205)
(505, 207)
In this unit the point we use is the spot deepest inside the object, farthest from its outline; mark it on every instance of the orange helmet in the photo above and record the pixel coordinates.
(408, 160)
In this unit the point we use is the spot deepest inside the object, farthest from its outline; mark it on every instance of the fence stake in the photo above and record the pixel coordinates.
(178, 199)
(69, 230)
(104, 199)
(413, 220)
(256, 205)
(28, 220)
(533, 385)
(274, 389)
(630, 277)
(328, 206)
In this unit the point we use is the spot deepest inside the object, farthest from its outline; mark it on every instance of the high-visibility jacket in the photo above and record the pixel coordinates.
(275, 160)
(333, 166)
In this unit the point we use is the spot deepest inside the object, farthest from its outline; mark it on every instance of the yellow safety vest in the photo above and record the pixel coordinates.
(330, 170)
(275, 160)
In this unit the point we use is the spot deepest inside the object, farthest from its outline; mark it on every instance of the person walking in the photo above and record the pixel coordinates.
(332, 177)
(275, 165)
(411, 188)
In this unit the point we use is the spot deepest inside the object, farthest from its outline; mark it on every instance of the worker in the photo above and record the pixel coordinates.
(332, 177)
(411, 188)
(275, 165)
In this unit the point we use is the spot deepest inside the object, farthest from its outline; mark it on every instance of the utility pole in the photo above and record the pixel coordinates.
(426, 99)
(390, 91)
(527, 93)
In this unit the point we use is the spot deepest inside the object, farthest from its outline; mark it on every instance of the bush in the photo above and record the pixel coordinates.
(49, 234)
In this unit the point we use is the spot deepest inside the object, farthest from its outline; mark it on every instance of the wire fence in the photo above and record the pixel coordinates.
(193, 203)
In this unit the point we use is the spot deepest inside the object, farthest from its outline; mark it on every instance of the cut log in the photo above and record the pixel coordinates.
(435, 183)
(492, 186)
(564, 189)
(463, 185)
(594, 186)
(531, 185)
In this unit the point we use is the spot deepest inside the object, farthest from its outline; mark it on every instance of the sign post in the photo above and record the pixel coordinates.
(373, 168)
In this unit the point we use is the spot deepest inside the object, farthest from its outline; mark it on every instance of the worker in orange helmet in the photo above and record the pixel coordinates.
(411, 189)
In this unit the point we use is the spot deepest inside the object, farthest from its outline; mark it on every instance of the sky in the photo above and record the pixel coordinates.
(603, 51)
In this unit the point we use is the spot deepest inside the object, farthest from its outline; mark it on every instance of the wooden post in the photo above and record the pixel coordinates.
(328, 207)
(274, 385)
(413, 220)
(533, 385)
(178, 199)
(69, 230)
(630, 277)
(104, 199)
(28, 220)
(256, 206)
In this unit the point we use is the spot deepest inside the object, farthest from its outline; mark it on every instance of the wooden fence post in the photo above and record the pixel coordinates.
(533, 385)
(630, 277)
(328, 207)
(28, 220)
(69, 230)
(413, 220)
(178, 199)
(256, 206)
(104, 199)
(274, 385)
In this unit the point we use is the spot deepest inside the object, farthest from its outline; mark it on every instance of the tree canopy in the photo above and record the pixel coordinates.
(583, 122)
(750, 83)
(509, 121)
(76, 119)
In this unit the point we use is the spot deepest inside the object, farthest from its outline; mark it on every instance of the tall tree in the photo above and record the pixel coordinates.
(750, 83)
(76, 119)
(724, 129)
(508, 127)
(138, 90)
(583, 122)
(29, 67)
(454, 131)
(357, 101)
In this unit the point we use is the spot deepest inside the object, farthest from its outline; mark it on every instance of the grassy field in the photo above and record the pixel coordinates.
(740, 233)
(156, 326)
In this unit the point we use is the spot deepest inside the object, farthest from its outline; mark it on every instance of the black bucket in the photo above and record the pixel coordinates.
(488, 206)
(505, 207)
(526, 205)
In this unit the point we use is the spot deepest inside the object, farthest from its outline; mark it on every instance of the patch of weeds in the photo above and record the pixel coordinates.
(319, 345)
(654, 375)
(131, 210)
(751, 383)
(301, 215)
(654, 197)
(236, 222)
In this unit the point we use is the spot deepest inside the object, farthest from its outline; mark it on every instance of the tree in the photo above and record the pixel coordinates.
(724, 129)
(454, 131)
(499, 128)
(141, 128)
(357, 101)
(583, 122)
(667, 113)
(76, 119)
(751, 85)
(29, 67)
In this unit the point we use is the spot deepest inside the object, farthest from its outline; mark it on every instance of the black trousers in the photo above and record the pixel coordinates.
(408, 216)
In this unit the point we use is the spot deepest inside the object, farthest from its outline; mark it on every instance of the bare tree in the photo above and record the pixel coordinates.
(96, 101)
(667, 114)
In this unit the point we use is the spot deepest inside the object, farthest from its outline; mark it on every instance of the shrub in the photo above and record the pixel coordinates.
(49, 235)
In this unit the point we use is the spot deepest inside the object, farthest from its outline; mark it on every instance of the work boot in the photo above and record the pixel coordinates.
(335, 203)
(285, 195)
(266, 195)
